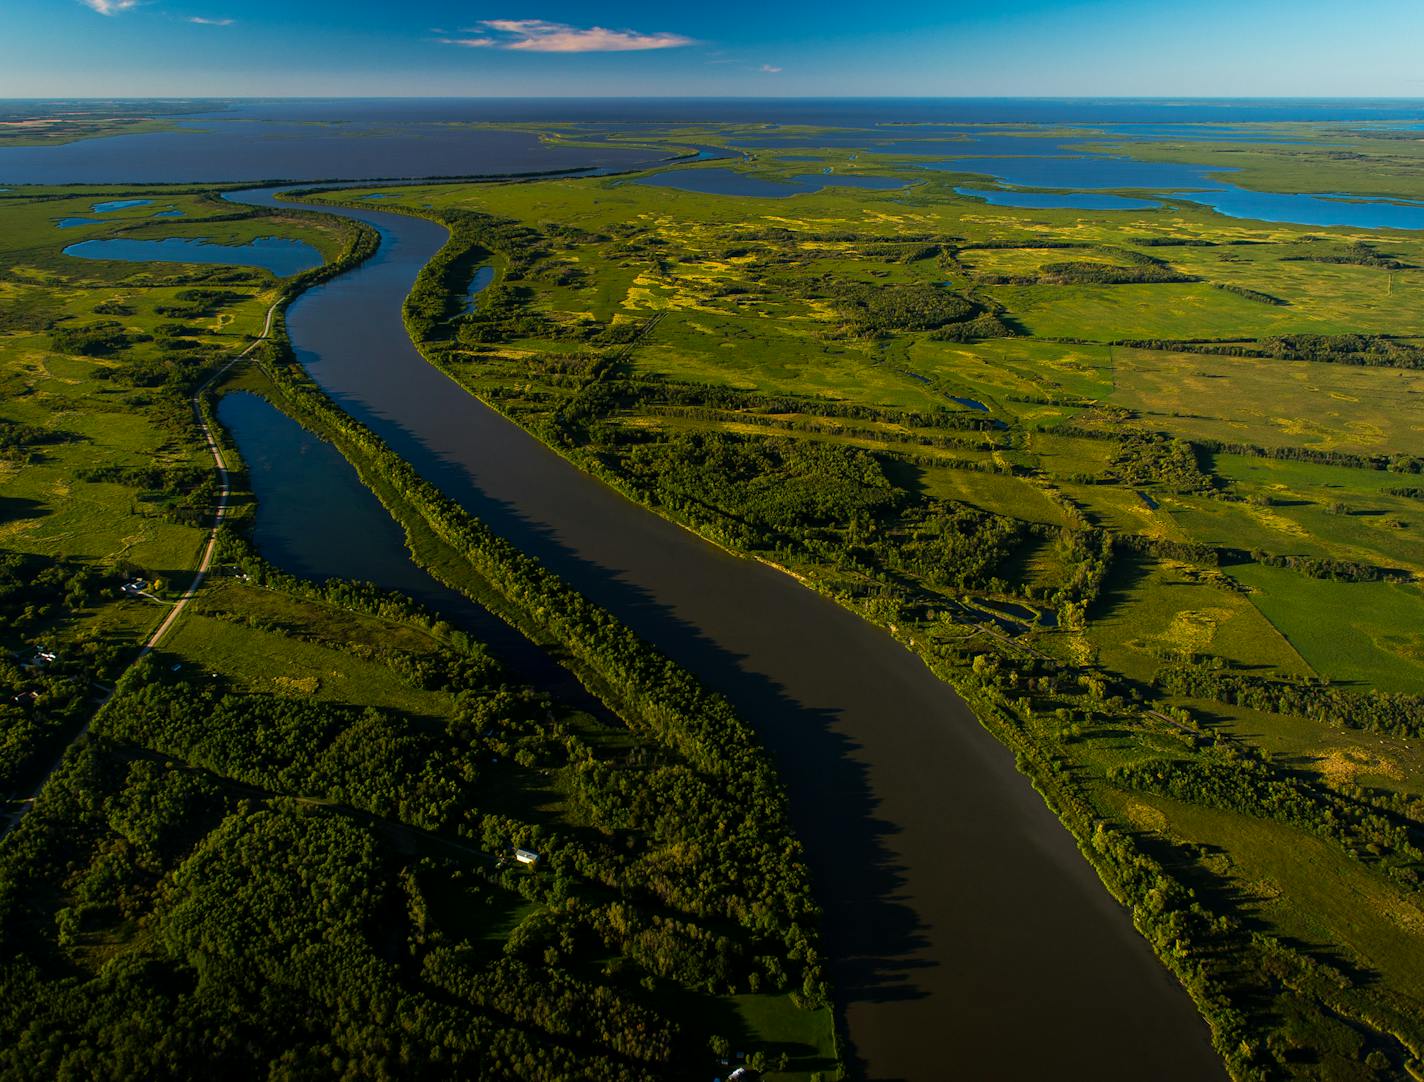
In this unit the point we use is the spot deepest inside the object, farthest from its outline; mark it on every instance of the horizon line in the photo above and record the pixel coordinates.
(716, 97)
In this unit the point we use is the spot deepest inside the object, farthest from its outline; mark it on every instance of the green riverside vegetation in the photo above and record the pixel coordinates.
(1144, 486)
(1138, 484)
(297, 821)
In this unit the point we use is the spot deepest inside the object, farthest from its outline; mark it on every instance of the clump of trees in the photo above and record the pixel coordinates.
(1358, 253)
(876, 310)
(42, 701)
(1251, 294)
(1378, 711)
(101, 339)
(1088, 272)
(1150, 458)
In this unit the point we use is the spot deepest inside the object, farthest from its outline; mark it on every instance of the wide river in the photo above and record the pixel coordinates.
(968, 936)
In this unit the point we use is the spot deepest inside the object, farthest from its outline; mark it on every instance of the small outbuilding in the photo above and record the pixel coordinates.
(526, 856)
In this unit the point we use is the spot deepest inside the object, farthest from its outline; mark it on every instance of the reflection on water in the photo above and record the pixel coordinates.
(280, 255)
(317, 520)
(1321, 210)
(227, 149)
(120, 204)
(478, 284)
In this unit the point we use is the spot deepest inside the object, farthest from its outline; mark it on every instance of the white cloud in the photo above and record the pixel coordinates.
(109, 7)
(538, 36)
(770, 69)
(201, 21)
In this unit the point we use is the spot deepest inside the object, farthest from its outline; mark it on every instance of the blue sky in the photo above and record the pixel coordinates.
(767, 48)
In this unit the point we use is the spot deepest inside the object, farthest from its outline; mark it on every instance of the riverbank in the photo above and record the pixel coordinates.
(1080, 723)
(829, 782)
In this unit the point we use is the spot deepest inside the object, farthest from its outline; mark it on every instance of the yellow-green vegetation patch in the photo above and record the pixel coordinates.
(270, 660)
(994, 492)
(1326, 407)
(1308, 889)
(1369, 633)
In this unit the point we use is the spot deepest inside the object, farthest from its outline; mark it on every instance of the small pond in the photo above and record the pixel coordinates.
(281, 256)
(119, 204)
(478, 284)
(70, 223)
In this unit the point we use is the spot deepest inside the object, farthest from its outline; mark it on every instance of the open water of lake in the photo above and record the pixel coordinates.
(282, 256)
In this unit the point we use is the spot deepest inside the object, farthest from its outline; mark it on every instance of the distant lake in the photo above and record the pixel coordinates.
(1002, 197)
(915, 141)
(1321, 210)
(228, 147)
(281, 256)
(1082, 171)
(838, 112)
(731, 182)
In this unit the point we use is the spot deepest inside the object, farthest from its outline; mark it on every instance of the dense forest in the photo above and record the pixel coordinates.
(223, 880)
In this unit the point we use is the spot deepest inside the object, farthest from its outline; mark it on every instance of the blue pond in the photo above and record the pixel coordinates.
(731, 182)
(70, 223)
(280, 256)
(1321, 210)
(478, 284)
(1001, 197)
(970, 403)
(120, 204)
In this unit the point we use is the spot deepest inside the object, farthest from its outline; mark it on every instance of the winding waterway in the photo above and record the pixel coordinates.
(969, 938)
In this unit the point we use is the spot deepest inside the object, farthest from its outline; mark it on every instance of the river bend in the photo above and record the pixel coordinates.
(968, 937)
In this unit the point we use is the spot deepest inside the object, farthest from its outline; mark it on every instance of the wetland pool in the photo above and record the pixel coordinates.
(280, 255)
